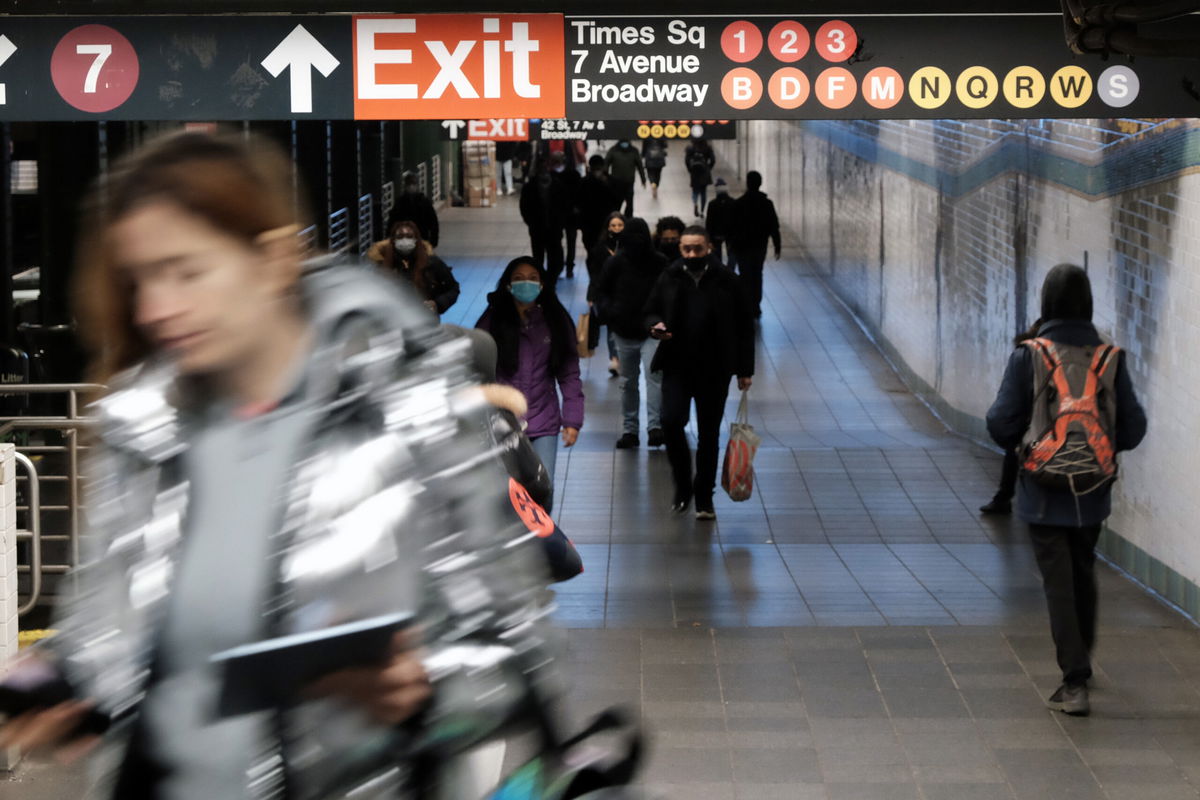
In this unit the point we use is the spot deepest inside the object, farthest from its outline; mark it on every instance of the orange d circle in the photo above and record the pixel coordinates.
(534, 516)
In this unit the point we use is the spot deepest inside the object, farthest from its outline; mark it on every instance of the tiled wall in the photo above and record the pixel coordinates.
(939, 233)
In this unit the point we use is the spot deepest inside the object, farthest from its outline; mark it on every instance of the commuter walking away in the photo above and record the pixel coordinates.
(406, 255)
(754, 225)
(546, 205)
(569, 177)
(1001, 502)
(624, 165)
(1067, 402)
(600, 253)
(699, 159)
(506, 153)
(698, 313)
(654, 156)
(242, 383)
(719, 222)
(535, 343)
(620, 296)
(412, 204)
(666, 237)
(595, 202)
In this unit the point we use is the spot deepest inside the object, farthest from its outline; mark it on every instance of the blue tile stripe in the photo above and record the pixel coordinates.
(1160, 154)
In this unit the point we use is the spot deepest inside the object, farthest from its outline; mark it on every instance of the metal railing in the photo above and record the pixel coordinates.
(387, 201)
(435, 191)
(366, 224)
(33, 535)
(69, 426)
(423, 177)
(308, 239)
(339, 231)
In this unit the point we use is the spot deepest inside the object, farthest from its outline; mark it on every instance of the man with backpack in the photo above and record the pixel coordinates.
(1067, 405)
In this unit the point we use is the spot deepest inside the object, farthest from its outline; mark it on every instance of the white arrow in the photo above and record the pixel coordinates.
(7, 48)
(300, 50)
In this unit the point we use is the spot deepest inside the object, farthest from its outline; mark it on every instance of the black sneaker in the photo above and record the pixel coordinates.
(680, 505)
(705, 513)
(655, 438)
(627, 441)
(1071, 699)
(997, 505)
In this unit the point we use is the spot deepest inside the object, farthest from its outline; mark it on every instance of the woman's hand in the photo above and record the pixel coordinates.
(570, 436)
(36, 732)
(391, 692)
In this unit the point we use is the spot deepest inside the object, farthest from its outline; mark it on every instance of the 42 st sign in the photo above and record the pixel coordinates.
(417, 66)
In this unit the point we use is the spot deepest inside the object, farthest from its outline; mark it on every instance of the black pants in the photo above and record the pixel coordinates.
(679, 389)
(547, 247)
(750, 260)
(624, 191)
(572, 235)
(590, 233)
(654, 175)
(1067, 560)
(1008, 475)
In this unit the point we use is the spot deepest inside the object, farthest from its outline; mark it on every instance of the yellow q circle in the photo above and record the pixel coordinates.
(1024, 87)
(1071, 87)
(929, 87)
(977, 87)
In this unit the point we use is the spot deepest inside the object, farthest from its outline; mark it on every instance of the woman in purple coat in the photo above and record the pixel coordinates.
(535, 343)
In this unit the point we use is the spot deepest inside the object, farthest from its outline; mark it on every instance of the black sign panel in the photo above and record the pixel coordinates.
(861, 67)
(179, 68)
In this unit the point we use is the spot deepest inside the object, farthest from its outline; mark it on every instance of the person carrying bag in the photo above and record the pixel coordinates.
(737, 473)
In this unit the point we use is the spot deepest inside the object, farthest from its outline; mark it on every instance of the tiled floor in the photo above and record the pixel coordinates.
(856, 630)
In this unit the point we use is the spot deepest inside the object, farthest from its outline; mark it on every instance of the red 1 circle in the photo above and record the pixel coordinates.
(789, 41)
(94, 68)
(836, 40)
(741, 41)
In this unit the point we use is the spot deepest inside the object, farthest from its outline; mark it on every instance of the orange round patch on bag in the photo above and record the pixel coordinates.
(533, 515)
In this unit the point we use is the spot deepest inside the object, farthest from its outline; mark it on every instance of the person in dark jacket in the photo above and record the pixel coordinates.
(620, 297)
(406, 255)
(596, 202)
(1001, 502)
(667, 232)
(536, 354)
(545, 206)
(624, 163)
(719, 222)
(654, 156)
(699, 314)
(412, 204)
(754, 224)
(569, 177)
(1064, 526)
(699, 159)
(601, 252)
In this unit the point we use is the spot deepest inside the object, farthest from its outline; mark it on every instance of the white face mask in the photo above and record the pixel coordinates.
(404, 246)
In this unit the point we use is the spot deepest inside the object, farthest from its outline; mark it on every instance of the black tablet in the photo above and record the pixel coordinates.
(273, 672)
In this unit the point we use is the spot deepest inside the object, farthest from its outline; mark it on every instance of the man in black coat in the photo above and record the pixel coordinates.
(597, 199)
(413, 205)
(699, 314)
(754, 224)
(545, 206)
(1063, 525)
(719, 222)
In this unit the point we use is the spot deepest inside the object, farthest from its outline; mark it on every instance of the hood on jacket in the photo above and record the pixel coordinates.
(1067, 294)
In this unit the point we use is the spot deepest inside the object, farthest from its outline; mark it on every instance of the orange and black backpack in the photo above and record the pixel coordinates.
(1070, 441)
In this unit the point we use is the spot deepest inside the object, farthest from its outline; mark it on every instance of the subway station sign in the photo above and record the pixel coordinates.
(574, 69)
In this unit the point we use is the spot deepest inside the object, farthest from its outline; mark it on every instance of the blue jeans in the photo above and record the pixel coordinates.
(547, 449)
(700, 198)
(633, 355)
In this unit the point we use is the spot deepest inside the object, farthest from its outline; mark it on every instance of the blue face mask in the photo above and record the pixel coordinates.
(525, 291)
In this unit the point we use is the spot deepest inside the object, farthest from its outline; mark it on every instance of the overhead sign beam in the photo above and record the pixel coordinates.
(578, 68)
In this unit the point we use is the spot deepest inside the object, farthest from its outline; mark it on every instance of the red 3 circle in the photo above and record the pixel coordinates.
(836, 41)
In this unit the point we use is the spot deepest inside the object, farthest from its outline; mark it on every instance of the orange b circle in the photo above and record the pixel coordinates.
(741, 88)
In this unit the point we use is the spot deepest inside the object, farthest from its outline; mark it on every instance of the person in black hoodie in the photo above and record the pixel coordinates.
(719, 223)
(620, 297)
(597, 200)
(1065, 525)
(545, 206)
(699, 314)
(754, 223)
(604, 249)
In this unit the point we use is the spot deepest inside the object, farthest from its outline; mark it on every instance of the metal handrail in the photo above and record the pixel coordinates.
(366, 224)
(339, 231)
(34, 535)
